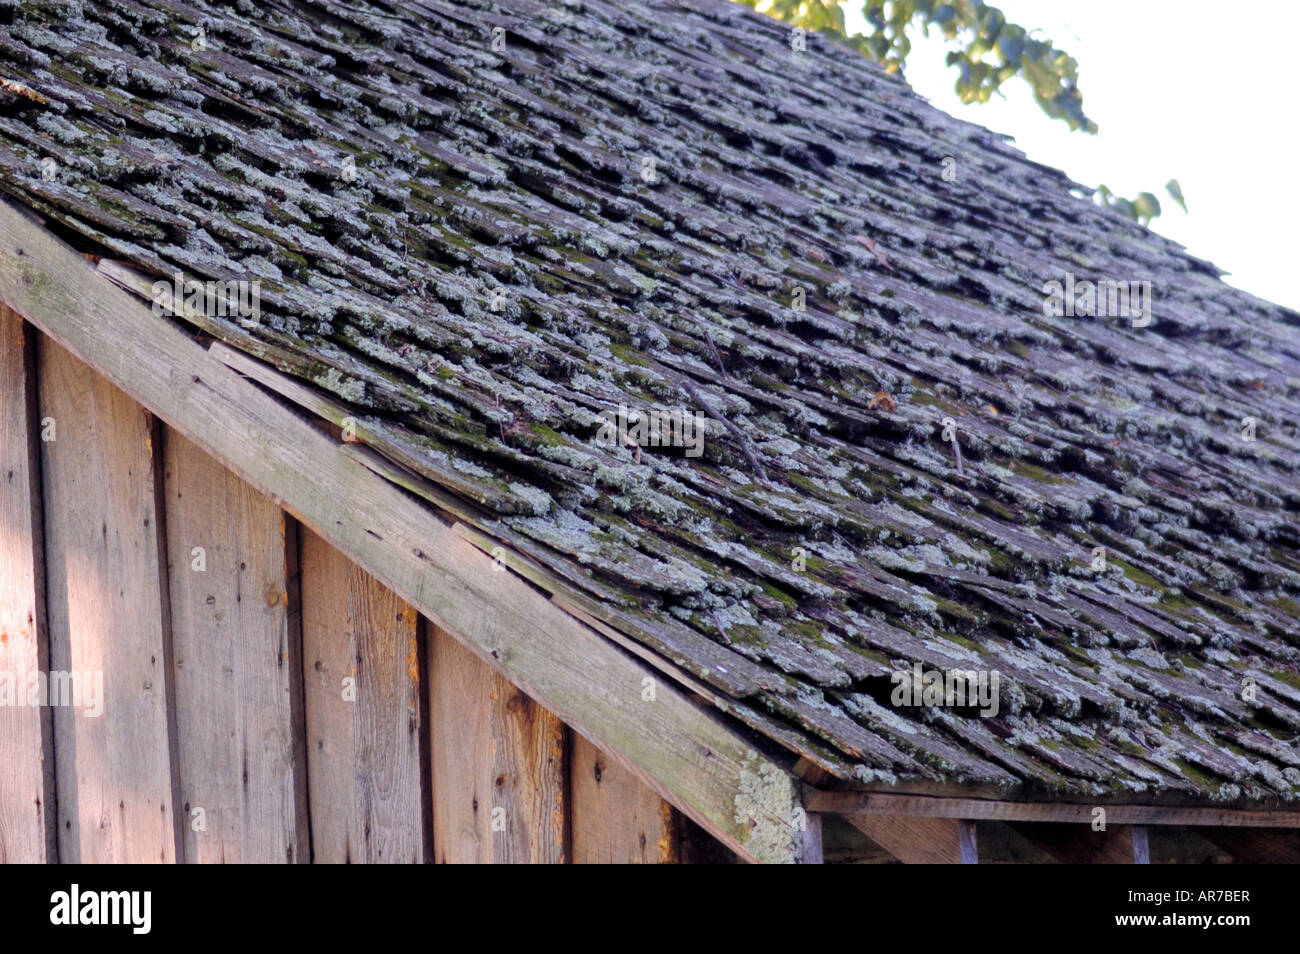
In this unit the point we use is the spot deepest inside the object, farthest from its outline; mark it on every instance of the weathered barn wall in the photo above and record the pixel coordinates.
(264, 699)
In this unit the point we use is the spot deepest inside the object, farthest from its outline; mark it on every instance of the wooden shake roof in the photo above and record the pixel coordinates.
(475, 252)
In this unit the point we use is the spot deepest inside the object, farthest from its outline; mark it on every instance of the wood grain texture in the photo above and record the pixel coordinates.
(498, 765)
(1257, 846)
(1081, 845)
(692, 755)
(107, 617)
(850, 802)
(241, 766)
(813, 852)
(616, 819)
(27, 833)
(363, 739)
(921, 841)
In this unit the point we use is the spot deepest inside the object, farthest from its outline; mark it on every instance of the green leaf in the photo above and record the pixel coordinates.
(878, 46)
(1147, 206)
(1176, 192)
(1011, 48)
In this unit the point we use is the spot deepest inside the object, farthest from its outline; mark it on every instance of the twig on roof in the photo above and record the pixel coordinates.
(741, 437)
(1049, 384)
(875, 250)
(714, 348)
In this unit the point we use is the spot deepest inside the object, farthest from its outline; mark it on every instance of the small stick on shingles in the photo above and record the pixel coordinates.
(741, 437)
(714, 348)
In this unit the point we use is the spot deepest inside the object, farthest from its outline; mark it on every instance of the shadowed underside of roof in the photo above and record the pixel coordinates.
(616, 209)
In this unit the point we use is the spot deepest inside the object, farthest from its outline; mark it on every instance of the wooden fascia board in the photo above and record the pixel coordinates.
(849, 802)
(713, 772)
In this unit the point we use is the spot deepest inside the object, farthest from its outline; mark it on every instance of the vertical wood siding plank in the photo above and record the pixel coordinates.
(363, 750)
(498, 765)
(116, 786)
(26, 757)
(239, 756)
(616, 818)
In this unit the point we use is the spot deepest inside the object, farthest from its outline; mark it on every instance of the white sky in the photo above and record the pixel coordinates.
(1181, 89)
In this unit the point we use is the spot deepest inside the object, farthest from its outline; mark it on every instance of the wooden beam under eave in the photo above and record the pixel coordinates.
(810, 833)
(1083, 845)
(921, 841)
(717, 773)
(1266, 846)
(850, 802)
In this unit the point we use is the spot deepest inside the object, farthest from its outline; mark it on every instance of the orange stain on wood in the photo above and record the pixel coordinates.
(18, 89)
(883, 401)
